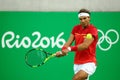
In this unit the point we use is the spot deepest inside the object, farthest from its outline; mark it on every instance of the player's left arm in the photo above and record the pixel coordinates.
(86, 43)
(90, 37)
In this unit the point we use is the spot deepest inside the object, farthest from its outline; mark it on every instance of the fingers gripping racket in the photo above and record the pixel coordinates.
(37, 57)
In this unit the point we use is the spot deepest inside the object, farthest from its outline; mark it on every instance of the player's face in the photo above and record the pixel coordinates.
(84, 20)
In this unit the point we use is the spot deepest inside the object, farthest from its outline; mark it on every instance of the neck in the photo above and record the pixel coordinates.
(85, 26)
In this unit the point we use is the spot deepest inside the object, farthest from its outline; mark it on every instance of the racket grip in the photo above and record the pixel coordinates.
(53, 55)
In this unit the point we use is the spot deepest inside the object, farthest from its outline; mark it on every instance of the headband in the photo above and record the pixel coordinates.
(83, 14)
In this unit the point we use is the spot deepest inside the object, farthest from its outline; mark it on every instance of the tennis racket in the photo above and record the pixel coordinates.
(37, 57)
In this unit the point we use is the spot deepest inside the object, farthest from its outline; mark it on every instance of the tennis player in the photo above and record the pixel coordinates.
(85, 36)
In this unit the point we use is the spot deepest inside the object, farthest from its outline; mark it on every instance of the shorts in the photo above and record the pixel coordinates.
(87, 67)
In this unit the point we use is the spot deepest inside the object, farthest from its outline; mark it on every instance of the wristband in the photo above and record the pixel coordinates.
(73, 48)
(69, 48)
(64, 47)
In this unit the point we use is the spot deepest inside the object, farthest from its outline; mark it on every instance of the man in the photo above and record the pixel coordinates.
(85, 36)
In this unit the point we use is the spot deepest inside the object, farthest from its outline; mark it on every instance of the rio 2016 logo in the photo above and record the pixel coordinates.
(53, 41)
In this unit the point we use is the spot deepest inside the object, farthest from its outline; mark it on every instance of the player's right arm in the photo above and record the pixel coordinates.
(67, 44)
(69, 41)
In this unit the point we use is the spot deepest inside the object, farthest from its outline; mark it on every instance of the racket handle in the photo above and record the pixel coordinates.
(53, 55)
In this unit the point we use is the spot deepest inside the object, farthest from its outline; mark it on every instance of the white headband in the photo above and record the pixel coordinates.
(83, 14)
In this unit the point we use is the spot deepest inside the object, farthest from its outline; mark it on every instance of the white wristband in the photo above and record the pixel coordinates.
(69, 48)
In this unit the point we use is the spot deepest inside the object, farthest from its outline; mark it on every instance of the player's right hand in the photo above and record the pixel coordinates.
(62, 53)
(59, 54)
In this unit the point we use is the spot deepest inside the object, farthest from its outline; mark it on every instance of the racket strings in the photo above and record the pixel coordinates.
(35, 58)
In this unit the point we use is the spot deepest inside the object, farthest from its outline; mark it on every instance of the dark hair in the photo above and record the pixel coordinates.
(84, 10)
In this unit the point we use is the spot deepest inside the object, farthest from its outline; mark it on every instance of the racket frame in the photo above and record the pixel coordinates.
(46, 55)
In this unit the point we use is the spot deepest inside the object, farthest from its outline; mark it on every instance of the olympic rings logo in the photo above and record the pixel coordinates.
(107, 38)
